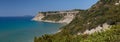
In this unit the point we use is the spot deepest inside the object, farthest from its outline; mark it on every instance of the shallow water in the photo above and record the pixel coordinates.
(22, 29)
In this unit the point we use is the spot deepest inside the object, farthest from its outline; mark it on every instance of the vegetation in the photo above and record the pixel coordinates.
(93, 17)
(103, 12)
(112, 35)
(55, 17)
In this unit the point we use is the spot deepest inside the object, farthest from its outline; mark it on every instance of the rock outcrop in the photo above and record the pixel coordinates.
(117, 3)
(66, 16)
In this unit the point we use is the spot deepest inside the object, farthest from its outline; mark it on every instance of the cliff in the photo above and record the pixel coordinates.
(56, 16)
(100, 23)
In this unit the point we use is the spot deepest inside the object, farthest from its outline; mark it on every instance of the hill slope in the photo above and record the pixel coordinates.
(103, 12)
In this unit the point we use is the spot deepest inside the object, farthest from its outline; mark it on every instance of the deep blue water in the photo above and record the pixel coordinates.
(22, 29)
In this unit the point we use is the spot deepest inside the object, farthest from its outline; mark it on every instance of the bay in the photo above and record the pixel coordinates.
(22, 29)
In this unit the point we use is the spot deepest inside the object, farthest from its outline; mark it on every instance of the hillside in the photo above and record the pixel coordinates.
(100, 23)
(98, 14)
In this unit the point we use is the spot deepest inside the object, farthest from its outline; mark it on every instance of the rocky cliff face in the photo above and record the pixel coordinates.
(38, 17)
(56, 17)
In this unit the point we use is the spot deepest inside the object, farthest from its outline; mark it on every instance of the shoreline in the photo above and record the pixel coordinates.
(50, 21)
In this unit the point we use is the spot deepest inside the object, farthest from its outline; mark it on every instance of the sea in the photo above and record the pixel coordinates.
(23, 29)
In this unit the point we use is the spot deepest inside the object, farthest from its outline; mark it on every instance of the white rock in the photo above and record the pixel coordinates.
(116, 3)
(79, 33)
(98, 29)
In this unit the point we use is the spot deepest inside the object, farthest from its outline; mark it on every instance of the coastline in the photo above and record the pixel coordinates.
(50, 21)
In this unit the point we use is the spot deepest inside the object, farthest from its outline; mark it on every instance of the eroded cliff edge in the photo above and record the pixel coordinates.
(56, 16)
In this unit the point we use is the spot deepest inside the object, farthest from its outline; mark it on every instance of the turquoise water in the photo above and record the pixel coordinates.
(22, 29)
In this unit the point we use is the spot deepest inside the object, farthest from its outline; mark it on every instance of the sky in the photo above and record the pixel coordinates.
(32, 7)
